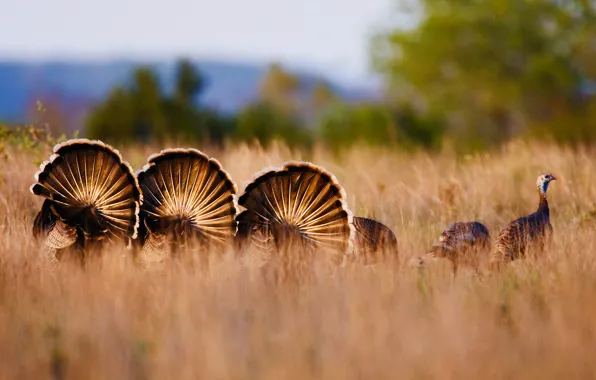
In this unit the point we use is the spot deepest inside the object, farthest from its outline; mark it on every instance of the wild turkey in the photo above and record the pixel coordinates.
(528, 232)
(374, 242)
(295, 213)
(462, 243)
(91, 196)
(188, 203)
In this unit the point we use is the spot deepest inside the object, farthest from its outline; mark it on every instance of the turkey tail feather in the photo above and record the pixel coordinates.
(185, 190)
(303, 201)
(88, 188)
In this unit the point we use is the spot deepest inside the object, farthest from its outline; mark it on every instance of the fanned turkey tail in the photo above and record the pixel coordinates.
(297, 211)
(188, 199)
(91, 195)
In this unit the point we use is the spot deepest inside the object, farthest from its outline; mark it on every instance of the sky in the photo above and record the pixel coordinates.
(332, 35)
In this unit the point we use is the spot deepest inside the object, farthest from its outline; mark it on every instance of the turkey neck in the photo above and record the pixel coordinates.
(543, 204)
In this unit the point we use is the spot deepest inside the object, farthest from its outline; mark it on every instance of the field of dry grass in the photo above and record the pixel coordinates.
(113, 320)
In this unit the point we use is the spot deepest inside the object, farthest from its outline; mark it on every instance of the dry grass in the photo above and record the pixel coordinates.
(114, 320)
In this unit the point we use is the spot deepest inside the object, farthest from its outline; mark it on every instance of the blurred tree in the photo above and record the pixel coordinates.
(279, 88)
(322, 95)
(416, 130)
(148, 105)
(266, 122)
(277, 113)
(182, 120)
(189, 82)
(345, 125)
(114, 119)
(185, 119)
(216, 128)
(491, 68)
(379, 125)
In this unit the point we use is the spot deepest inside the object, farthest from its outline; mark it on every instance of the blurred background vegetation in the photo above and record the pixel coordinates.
(469, 74)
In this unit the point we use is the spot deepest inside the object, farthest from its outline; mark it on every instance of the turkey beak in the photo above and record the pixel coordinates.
(553, 178)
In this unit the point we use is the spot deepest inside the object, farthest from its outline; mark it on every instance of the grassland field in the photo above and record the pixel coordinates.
(114, 320)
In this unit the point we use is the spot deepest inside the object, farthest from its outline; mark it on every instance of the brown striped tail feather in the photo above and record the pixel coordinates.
(89, 189)
(188, 199)
(300, 211)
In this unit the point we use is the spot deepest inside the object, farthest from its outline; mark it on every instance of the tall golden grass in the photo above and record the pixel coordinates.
(113, 320)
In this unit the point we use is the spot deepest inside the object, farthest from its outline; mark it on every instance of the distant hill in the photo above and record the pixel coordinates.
(77, 86)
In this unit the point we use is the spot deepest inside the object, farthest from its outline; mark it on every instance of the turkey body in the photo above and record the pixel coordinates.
(374, 242)
(462, 243)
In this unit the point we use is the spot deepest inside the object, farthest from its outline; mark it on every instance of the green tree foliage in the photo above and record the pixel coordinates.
(114, 119)
(266, 122)
(216, 128)
(189, 83)
(378, 125)
(494, 68)
(146, 99)
(185, 119)
(346, 125)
